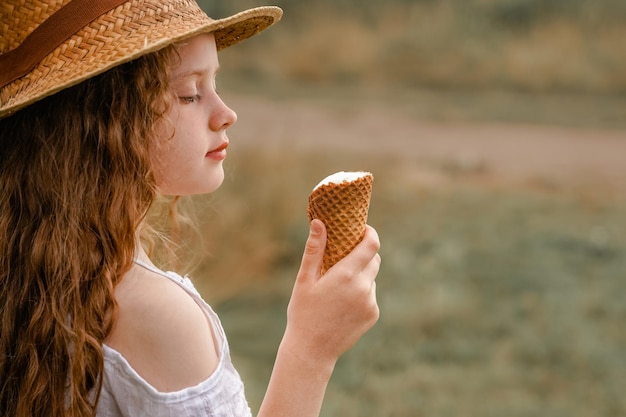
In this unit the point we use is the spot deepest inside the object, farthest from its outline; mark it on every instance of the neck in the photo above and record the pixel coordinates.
(140, 253)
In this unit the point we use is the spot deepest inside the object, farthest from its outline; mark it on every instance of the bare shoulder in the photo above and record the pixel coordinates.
(162, 332)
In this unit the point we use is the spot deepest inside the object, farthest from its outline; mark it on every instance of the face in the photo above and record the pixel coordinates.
(193, 141)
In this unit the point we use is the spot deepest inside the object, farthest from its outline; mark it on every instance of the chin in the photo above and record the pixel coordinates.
(210, 189)
(216, 182)
(213, 184)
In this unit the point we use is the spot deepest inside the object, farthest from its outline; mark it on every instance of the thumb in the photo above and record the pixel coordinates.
(313, 251)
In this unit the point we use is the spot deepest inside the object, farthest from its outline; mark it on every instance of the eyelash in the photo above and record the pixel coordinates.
(190, 99)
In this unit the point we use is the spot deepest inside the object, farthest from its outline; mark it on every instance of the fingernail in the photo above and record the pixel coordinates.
(316, 228)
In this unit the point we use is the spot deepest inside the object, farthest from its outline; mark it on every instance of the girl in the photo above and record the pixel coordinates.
(104, 106)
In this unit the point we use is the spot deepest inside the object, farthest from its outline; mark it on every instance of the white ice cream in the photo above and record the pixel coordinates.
(341, 177)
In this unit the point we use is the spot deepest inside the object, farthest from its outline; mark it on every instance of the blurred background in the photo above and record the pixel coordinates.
(496, 132)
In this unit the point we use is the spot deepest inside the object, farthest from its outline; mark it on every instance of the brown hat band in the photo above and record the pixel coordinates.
(55, 30)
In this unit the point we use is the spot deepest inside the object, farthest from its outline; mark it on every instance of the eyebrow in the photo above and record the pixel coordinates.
(194, 72)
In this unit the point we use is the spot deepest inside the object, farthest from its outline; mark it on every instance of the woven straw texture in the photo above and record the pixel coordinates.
(343, 208)
(128, 31)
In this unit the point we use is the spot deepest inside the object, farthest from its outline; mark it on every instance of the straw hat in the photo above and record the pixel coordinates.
(49, 45)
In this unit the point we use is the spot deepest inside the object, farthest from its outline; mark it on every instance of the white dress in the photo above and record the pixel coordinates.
(126, 394)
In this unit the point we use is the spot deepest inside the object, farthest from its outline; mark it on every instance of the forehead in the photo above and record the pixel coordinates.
(197, 55)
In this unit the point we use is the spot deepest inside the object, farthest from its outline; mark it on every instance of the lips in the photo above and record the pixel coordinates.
(218, 153)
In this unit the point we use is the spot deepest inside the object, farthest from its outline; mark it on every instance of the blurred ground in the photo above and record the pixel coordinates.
(550, 156)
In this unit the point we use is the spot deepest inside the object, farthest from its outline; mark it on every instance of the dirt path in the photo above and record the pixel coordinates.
(507, 152)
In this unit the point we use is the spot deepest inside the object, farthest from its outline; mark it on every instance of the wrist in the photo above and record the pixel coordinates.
(306, 357)
(298, 382)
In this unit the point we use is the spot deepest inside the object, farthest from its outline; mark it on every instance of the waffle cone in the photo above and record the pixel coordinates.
(343, 208)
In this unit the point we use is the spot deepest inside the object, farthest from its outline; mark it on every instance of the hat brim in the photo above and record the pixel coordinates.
(103, 45)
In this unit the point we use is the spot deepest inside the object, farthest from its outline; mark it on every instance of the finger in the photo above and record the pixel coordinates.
(364, 251)
(313, 251)
(372, 268)
(372, 238)
(375, 302)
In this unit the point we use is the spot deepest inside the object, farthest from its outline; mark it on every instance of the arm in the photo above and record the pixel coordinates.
(326, 316)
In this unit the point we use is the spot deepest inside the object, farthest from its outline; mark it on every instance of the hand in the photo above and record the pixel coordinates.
(328, 314)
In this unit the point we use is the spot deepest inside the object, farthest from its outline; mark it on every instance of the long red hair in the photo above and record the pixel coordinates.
(75, 185)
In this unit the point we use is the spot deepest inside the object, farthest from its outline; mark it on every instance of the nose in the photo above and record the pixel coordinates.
(222, 116)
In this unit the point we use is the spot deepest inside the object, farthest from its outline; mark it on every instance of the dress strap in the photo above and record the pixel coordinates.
(171, 275)
(185, 283)
(149, 267)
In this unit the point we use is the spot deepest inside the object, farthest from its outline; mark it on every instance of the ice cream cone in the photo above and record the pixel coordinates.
(342, 202)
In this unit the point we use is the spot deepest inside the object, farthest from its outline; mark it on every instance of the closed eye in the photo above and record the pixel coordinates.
(189, 99)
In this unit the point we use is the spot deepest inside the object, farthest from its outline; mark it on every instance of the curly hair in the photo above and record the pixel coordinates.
(75, 185)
